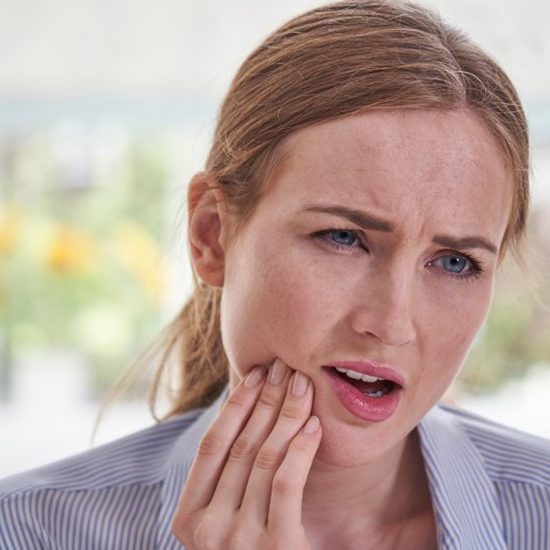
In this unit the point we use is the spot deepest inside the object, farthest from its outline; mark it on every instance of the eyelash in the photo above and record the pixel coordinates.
(475, 271)
(322, 236)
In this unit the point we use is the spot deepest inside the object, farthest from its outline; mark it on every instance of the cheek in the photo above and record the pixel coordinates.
(450, 327)
(455, 308)
(276, 307)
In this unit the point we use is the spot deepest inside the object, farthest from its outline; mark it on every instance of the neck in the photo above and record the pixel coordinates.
(372, 497)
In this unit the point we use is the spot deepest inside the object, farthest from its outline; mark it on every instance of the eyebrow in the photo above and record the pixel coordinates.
(465, 242)
(358, 217)
(368, 221)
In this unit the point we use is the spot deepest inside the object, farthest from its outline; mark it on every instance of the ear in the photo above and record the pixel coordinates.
(208, 227)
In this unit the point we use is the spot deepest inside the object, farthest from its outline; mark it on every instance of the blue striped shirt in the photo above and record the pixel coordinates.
(490, 487)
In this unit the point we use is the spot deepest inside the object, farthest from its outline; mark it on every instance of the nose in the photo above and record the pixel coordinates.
(386, 309)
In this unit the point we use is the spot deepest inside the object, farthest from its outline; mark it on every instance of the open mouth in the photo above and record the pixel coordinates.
(366, 396)
(376, 388)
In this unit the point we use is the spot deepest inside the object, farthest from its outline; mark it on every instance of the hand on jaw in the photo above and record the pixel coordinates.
(246, 484)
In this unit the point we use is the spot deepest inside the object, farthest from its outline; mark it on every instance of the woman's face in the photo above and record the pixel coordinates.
(353, 255)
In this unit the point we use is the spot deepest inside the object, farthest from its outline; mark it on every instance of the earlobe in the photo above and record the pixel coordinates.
(207, 227)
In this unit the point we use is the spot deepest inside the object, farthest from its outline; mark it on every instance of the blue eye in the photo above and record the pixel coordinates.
(455, 263)
(339, 239)
(459, 266)
(342, 237)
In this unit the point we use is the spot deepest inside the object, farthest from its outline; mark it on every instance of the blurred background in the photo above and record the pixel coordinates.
(106, 110)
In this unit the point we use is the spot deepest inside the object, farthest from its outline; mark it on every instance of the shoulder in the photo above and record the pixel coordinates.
(488, 475)
(518, 465)
(509, 455)
(136, 458)
(80, 494)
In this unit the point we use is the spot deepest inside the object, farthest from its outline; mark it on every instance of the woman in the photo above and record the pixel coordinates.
(368, 174)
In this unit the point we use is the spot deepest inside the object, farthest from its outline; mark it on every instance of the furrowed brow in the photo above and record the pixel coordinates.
(465, 242)
(358, 217)
(374, 223)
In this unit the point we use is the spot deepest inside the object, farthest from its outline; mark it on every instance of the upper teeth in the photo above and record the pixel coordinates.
(358, 376)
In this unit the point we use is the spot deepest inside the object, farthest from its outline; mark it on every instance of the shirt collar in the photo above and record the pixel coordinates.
(465, 501)
(178, 465)
(464, 498)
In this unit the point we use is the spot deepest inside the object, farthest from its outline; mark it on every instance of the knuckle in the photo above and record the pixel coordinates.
(211, 445)
(267, 459)
(268, 401)
(236, 401)
(301, 444)
(284, 485)
(242, 448)
(182, 520)
(181, 527)
(205, 536)
(301, 447)
(292, 411)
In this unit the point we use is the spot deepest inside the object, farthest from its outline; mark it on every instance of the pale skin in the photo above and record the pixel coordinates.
(304, 285)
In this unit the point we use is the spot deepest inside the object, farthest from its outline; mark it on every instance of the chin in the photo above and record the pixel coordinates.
(344, 444)
(348, 441)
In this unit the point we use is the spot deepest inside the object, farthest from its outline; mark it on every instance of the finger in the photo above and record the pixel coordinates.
(285, 506)
(292, 416)
(215, 445)
(233, 480)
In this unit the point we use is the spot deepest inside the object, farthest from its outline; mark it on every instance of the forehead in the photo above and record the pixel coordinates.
(443, 164)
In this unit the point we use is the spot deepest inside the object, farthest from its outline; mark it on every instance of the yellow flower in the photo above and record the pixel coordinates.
(139, 253)
(11, 219)
(70, 250)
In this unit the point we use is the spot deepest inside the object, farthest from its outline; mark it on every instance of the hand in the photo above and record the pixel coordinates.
(245, 488)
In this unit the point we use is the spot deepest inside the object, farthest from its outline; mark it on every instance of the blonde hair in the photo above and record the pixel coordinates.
(334, 61)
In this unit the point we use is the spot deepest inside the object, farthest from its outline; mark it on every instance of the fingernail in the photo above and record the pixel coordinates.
(277, 374)
(311, 425)
(300, 384)
(254, 377)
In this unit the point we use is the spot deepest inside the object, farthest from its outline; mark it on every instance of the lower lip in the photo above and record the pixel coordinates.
(375, 409)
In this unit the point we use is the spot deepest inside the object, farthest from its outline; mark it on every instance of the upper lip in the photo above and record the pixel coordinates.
(380, 370)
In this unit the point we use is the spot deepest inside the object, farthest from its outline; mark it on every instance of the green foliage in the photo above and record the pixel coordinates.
(81, 255)
(516, 334)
